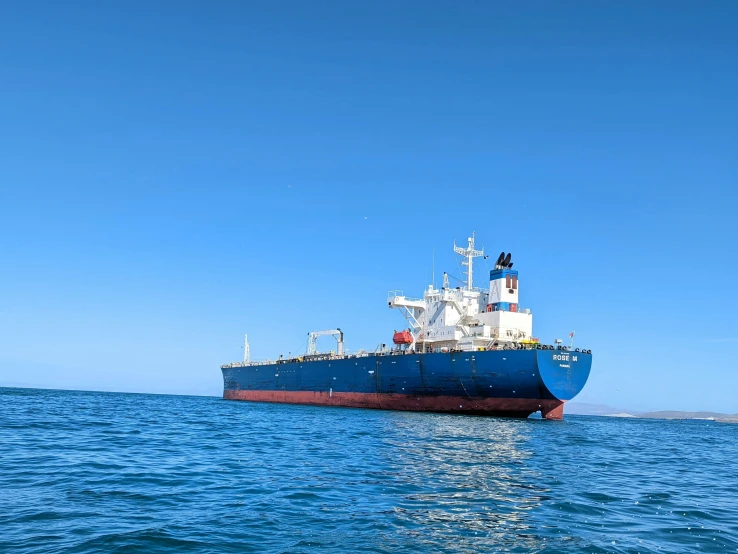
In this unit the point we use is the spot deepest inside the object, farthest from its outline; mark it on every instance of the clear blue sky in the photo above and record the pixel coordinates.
(175, 174)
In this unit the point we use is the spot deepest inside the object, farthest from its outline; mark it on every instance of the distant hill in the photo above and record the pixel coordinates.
(670, 414)
(584, 408)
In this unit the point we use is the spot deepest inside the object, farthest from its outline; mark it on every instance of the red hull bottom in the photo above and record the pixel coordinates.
(506, 407)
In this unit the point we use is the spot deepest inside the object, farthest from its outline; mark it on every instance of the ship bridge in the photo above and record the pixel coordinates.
(468, 318)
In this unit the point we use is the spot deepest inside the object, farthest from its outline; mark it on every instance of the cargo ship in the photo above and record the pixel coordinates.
(465, 350)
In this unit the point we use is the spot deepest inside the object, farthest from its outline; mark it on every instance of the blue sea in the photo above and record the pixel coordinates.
(109, 472)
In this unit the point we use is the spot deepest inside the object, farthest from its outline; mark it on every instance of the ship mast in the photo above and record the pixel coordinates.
(246, 350)
(469, 253)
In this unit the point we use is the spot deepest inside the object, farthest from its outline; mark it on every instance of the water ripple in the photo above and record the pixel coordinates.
(102, 472)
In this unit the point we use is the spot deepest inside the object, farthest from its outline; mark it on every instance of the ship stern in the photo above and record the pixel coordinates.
(563, 374)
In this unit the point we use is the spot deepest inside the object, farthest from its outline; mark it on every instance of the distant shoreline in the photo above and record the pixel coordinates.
(582, 408)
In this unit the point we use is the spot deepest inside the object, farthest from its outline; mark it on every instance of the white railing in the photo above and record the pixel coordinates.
(319, 355)
(391, 295)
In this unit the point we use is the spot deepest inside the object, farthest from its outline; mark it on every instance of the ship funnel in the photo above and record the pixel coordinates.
(499, 260)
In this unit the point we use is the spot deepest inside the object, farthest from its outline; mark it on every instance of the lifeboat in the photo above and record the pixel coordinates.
(402, 337)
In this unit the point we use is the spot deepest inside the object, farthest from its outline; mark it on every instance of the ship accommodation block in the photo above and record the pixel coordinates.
(467, 318)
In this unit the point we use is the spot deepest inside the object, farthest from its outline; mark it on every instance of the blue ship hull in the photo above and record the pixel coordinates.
(512, 383)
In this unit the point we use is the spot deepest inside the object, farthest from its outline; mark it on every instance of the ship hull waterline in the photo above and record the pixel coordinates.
(506, 383)
(501, 407)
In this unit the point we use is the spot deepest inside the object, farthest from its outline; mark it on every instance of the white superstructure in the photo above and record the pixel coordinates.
(467, 318)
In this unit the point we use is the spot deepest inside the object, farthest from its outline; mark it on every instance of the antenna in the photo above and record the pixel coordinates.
(469, 253)
(246, 350)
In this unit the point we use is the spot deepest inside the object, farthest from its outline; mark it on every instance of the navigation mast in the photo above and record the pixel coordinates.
(469, 253)
(246, 350)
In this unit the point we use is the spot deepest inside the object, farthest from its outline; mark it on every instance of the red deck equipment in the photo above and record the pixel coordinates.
(402, 337)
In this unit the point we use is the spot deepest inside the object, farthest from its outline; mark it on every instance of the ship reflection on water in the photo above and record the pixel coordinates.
(466, 477)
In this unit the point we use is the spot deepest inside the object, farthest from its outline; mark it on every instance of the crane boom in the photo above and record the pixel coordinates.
(313, 338)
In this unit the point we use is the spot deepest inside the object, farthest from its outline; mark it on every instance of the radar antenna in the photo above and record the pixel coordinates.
(469, 253)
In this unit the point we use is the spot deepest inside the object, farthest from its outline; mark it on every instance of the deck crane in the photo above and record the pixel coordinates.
(313, 338)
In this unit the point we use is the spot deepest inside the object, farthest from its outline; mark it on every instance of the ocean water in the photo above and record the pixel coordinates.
(106, 472)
